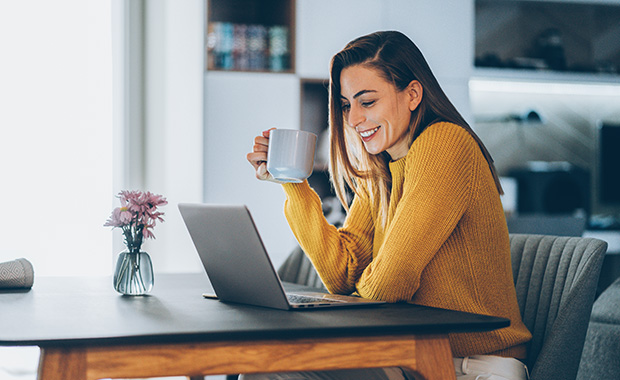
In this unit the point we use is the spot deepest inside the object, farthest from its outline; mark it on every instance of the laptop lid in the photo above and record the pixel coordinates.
(233, 255)
(237, 262)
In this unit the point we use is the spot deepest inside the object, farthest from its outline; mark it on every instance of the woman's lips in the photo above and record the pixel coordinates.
(368, 134)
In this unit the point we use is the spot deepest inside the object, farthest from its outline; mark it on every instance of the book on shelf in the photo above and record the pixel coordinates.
(245, 47)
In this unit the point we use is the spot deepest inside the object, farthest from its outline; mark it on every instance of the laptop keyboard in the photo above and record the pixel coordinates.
(297, 298)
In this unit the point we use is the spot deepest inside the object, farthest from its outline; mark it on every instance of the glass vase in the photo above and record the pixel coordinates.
(133, 275)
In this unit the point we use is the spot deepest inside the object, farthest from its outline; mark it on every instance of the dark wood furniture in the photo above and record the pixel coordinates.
(87, 331)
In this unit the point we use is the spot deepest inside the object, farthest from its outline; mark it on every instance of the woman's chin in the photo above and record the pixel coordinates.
(373, 149)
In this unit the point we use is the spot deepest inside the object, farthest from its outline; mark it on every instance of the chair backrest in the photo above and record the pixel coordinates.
(555, 279)
(298, 269)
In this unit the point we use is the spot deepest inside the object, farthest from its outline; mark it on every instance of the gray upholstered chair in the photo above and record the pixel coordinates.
(555, 278)
(601, 352)
(298, 269)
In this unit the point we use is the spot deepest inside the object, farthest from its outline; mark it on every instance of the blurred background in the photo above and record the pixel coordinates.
(167, 96)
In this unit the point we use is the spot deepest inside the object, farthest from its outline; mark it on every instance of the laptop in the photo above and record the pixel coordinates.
(238, 265)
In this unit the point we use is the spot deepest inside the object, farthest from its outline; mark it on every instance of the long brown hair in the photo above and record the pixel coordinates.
(399, 61)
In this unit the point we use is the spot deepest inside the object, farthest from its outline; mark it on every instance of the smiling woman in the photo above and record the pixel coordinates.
(56, 135)
(426, 224)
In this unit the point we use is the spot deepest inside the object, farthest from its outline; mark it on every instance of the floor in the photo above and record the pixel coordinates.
(20, 363)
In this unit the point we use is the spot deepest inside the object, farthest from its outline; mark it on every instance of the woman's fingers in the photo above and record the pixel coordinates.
(259, 151)
(266, 133)
(261, 144)
(262, 173)
(258, 156)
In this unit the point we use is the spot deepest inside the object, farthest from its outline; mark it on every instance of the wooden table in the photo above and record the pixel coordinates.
(87, 331)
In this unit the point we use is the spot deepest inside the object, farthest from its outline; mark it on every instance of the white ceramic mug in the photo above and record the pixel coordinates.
(291, 154)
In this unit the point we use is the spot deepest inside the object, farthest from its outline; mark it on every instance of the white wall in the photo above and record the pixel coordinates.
(174, 124)
(239, 106)
(324, 27)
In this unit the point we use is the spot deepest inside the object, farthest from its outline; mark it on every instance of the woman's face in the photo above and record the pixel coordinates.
(379, 113)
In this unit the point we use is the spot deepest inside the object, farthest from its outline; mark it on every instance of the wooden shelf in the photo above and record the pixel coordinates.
(544, 76)
(251, 35)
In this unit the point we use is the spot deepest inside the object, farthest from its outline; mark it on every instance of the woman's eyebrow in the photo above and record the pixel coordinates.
(358, 94)
(362, 93)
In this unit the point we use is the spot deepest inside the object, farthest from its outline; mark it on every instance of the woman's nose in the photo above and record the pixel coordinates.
(356, 116)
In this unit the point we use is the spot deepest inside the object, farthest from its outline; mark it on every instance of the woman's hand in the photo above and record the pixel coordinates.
(258, 157)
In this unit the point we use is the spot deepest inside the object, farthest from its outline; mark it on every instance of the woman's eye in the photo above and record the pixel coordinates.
(345, 107)
(368, 103)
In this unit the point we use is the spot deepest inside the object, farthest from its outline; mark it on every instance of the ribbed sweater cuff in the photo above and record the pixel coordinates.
(300, 194)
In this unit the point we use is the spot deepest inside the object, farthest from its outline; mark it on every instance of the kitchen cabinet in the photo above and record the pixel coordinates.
(559, 60)
(565, 41)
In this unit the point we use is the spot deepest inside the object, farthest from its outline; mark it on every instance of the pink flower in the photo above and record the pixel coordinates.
(148, 234)
(120, 217)
(137, 215)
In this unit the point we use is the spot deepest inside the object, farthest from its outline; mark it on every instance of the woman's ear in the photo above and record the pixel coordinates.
(415, 92)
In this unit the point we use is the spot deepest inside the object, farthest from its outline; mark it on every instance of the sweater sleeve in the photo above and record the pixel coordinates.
(339, 255)
(436, 192)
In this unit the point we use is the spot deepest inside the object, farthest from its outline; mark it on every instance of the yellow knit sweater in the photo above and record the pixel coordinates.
(445, 243)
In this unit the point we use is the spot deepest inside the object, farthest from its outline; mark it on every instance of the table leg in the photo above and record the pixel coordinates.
(433, 359)
(62, 364)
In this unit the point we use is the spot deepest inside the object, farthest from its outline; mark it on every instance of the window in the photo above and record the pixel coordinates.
(56, 141)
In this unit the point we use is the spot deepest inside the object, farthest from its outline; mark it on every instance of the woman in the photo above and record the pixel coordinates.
(426, 224)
